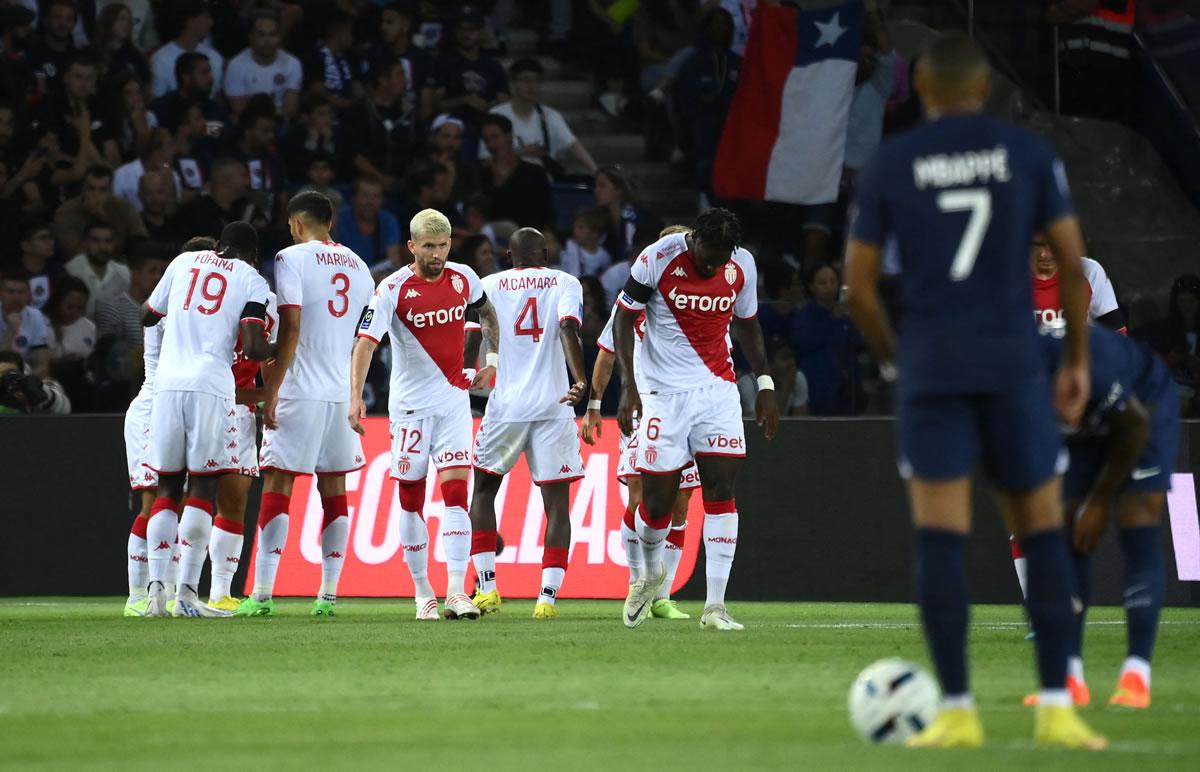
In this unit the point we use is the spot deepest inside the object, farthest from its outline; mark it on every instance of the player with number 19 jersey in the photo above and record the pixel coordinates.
(332, 286)
(525, 412)
(962, 197)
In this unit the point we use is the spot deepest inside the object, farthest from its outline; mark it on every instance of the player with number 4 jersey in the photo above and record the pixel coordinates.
(322, 288)
(539, 311)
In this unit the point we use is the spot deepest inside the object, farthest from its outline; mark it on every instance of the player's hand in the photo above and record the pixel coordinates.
(766, 412)
(358, 411)
(575, 394)
(483, 378)
(631, 405)
(589, 430)
(270, 402)
(1071, 389)
(1090, 522)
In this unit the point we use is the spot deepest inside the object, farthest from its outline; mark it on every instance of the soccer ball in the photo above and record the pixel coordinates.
(892, 700)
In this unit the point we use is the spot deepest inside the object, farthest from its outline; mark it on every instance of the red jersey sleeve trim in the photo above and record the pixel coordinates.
(571, 318)
(289, 305)
(368, 336)
(254, 320)
(621, 302)
(154, 310)
(602, 347)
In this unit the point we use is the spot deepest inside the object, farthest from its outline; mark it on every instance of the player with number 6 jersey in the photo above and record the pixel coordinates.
(322, 290)
(539, 311)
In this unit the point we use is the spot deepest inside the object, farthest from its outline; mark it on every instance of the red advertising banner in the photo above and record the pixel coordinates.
(375, 566)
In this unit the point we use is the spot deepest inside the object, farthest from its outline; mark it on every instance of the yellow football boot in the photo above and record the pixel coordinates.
(1059, 726)
(953, 728)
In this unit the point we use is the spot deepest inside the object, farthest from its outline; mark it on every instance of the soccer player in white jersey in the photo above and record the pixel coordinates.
(662, 607)
(208, 299)
(323, 289)
(691, 286)
(422, 307)
(539, 311)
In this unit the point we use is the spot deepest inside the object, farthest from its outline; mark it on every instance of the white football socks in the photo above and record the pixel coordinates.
(671, 557)
(161, 532)
(333, 555)
(138, 565)
(456, 541)
(195, 529)
(1075, 668)
(653, 539)
(272, 538)
(552, 579)
(414, 535)
(720, 544)
(224, 555)
(485, 568)
(633, 552)
(1139, 666)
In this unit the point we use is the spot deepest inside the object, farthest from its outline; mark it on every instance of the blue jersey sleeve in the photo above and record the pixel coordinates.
(1054, 195)
(1110, 390)
(868, 218)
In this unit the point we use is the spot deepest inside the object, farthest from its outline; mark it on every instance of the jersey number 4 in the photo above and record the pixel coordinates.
(212, 289)
(529, 312)
(977, 201)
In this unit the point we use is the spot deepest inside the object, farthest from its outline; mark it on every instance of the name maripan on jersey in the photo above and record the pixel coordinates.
(950, 170)
(439, 316)
(520, 283)
(333, 258)
(685, 302)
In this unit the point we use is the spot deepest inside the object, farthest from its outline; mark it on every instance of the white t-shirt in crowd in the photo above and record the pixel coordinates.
(112, 285)
(578, 261)
(528, 130)
(245, 77)
(127, 178)
(748, 389)
(162, 67)
(78, 338)
(613, 280)
(32, 333)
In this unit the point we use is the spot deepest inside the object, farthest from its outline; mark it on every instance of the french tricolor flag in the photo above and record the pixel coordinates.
(785, 135)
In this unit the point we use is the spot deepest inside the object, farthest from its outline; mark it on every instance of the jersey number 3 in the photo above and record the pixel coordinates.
(529, 312)
(977, 201)
(339, 304)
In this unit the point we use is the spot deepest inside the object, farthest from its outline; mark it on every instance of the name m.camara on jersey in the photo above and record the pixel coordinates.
(961, 197)
(208, 298)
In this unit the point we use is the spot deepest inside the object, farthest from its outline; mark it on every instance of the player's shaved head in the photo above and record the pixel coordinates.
(527, 246)
(240, 239)
(953, 75)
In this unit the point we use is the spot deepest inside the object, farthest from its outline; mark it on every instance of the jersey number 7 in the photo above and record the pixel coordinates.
(977, 201)
(529, 311)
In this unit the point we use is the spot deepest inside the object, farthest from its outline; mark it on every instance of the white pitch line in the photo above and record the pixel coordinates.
(976, 625)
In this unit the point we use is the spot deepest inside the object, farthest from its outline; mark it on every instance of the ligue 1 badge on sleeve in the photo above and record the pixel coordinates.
(730, 273)
(457, 282)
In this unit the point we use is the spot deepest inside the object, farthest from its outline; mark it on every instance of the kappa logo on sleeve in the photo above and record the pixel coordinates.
(367, 317)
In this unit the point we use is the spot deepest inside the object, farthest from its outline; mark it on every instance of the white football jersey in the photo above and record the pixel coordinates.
(331, 286)
(203, 295)
(532, 375)
(425, 321)
(687, 316)
(609, 344)
(152, 338)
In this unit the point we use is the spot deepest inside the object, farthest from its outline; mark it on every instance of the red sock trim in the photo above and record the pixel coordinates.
(726, 507)
(163, 503)
(483, 542)
(675, 537)
(1015, 546)
(201, 504)
(555, 557)
(454, 493)
(628, 520)
(139, 527)
(412, 495)
(228, 526)
(660, 524)
(273, 505)
(333, 507)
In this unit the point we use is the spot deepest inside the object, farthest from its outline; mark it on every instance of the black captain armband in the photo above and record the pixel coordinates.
(478, 303)
(254, 312)
(637, 291)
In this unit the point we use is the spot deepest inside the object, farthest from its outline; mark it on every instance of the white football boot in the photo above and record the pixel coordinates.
(641, 595)
(717, 618)
(459, 606)
(427, 611)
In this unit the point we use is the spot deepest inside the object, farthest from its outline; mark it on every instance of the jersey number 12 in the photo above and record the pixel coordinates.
(977, 201)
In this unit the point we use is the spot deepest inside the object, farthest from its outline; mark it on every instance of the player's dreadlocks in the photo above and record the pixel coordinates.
(718, 228)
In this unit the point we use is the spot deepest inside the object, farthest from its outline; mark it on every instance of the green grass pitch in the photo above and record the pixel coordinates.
(372, 688)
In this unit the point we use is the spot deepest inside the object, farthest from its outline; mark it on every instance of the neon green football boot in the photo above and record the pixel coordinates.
(137, 608)
(249, 607)
(322, 608)
(665, 608)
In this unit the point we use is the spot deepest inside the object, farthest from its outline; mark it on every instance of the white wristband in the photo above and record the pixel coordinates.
(766, 383)
(593, 404)
(887, 371)
(492, 359)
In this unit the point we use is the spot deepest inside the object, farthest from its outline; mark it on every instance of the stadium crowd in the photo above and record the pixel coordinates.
(129, 127)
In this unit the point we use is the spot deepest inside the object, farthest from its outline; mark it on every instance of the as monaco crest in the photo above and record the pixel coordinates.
(651, 455)
(403, 465)
(730, 273)
(457, 283)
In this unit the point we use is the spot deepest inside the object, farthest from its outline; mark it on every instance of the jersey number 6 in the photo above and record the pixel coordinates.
(977, 201)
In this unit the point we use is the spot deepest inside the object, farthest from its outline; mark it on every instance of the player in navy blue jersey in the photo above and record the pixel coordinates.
(960, 198)
(1121, 456)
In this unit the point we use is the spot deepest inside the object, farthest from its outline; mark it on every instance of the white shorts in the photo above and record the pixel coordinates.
(312, 436)
(244, 444)
(700, 422)
(551, 448)
(190, 430)
(443, 439)
(137, 444)
(627, 465)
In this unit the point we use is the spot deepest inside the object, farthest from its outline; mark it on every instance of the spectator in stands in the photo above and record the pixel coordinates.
(96, 201)
(23, 329)
(427, 185)
(791, 387)
(36, 187)
(826, 344)
(327, 71)
(396, 30)
(584, 254)
(614, 192)
(105, 278)
(471, 81)
(540, 132)
(596, 310)
(11, 130)
(519, 190)
(223, 203)
(131, 121)
(321, 172)
(30, 393)
(143, 34)
(263, 68)
(16, 38)
(192, 159)
(777, 310)
(154, 153)
(157, 195)
(119, 318)
(37, 260)
(113, 43)
(313, 134)
(74, 114)
(1177, 339)
(660, 31)
(477, 252)
(268, 176)
(370, 231)
(604, 37)
(50, 54)
(377, 141)
(197, 25)
(444, 147)
(195, 76)
(873, 86)
(72, 341)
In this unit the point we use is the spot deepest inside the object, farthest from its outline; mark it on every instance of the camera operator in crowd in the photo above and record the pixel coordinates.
(23, 392)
